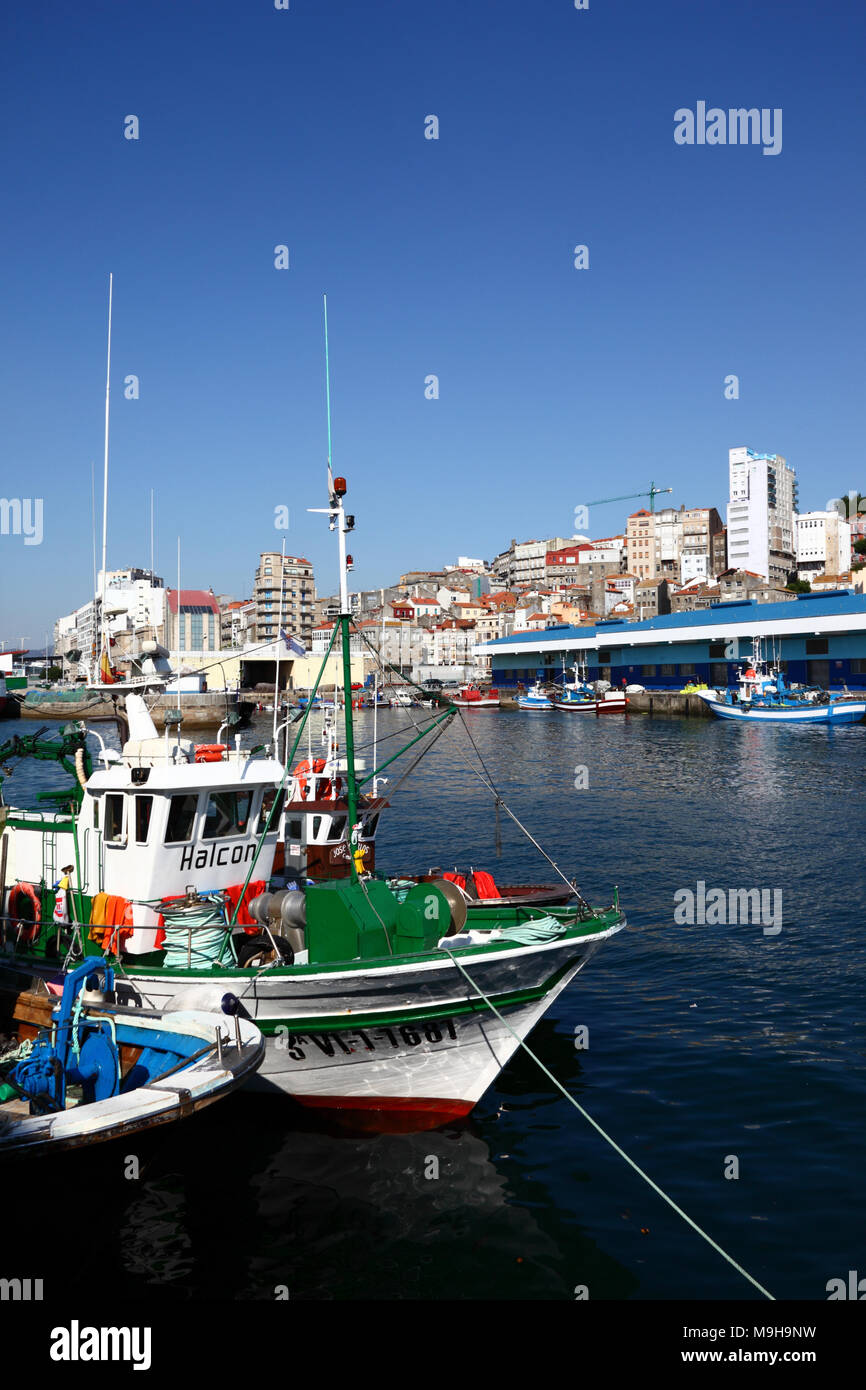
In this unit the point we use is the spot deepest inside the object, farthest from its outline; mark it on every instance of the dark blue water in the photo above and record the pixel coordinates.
(707, 1043)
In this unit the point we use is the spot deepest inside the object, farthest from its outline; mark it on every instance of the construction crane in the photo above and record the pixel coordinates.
(653, 493)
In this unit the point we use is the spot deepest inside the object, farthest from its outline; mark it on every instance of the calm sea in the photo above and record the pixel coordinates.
(712, 1048)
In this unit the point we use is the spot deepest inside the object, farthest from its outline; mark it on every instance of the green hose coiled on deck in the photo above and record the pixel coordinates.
(206, 945)
(530, 933)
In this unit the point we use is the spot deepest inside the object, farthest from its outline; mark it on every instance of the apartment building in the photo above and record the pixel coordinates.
(692, 597)
(760, 514)
(675, 543)
(652, 597)
(237, 622)
(736, 585)
(698, 548)
(284, 593)
(822, 543)
(134, 608)
(524, 564)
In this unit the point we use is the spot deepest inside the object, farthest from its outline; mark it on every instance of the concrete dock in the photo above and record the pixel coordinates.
(669, 702)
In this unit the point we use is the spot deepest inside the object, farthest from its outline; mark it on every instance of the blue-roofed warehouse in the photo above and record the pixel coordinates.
(819, 639)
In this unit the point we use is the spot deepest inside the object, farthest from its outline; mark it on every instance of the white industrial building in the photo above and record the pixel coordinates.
(823, 544)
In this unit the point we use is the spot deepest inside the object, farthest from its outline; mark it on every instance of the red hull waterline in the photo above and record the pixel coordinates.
(388, 1114)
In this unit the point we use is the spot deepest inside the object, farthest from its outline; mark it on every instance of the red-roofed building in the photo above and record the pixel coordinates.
(500, 602)
(536, 622)
(237, 616)
(471, 611)
(193, 624)
(694, 596)
(426, 606)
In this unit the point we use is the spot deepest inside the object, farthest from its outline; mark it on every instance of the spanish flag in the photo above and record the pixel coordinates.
(106, 674)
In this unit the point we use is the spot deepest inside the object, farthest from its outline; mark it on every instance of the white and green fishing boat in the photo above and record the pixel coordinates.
(396, 1006)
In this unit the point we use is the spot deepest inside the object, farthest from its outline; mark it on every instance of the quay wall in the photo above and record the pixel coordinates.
(669, 702)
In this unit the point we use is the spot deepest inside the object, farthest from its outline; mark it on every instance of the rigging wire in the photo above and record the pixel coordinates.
(487, 781)
(499, 801)
(596, 1126)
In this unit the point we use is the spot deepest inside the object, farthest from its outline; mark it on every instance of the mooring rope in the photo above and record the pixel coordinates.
(614, 1145)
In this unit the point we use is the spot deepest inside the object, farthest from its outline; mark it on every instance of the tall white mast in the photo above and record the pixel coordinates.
(279, 643)
(376, 699)
(93, 659)
(105, 478)
(181, 636)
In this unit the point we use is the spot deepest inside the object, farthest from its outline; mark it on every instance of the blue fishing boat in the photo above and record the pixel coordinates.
(96, 1070)
(763, 695)
(536, 697)
(576, 695)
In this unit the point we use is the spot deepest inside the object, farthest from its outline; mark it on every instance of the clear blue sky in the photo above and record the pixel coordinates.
(452, 257)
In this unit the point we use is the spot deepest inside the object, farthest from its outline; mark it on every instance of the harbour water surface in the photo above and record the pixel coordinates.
(706, 1044)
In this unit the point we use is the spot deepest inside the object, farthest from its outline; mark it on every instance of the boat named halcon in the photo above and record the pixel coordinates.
(396, 1008)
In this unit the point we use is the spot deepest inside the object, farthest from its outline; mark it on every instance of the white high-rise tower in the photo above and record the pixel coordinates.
(763, 500)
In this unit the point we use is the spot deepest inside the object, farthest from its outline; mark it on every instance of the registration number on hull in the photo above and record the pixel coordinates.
(299, 1045)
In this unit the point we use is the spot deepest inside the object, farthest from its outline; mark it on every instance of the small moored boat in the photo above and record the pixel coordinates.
(536, 697)
(472, 697)
(81, 1071)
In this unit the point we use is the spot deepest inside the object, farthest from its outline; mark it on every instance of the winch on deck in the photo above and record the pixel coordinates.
(347, 920)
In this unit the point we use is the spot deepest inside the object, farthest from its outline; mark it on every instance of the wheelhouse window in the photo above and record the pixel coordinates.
(113, 817)
(181, 818)
(143, 809)
(270, 796)
(227, 813)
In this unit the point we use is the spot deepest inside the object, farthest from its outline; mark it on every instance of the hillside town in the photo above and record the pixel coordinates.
(432, 622)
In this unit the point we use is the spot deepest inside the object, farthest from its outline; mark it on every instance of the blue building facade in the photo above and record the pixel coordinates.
(818, 639)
